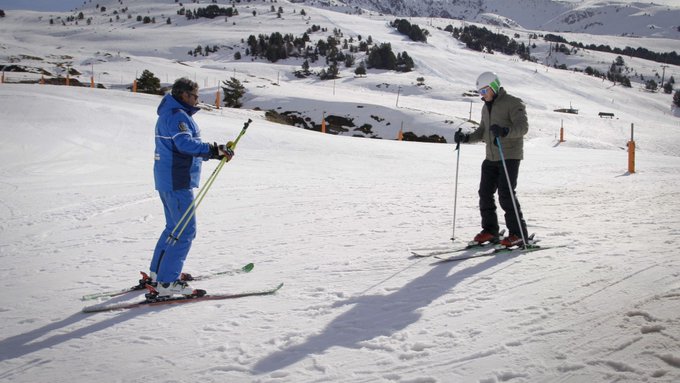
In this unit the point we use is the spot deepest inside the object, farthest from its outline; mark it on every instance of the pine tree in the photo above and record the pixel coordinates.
(361, 69)
(148, 83)
(382, 57)
(349, 60)
(233, 91)
(651, 85)
(668, 88)
(404, 62)
(332, 71)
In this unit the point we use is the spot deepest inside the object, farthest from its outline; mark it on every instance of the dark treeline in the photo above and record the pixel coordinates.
(209, 12)
(413, 31)
(643, 53)
(480, 39)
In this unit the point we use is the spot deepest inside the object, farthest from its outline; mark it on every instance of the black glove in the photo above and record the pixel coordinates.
(217, 152)
(461, 137)
(499, 131)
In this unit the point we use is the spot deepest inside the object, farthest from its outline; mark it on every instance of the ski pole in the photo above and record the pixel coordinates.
(191, 210)
(512, 192)
(455, 193)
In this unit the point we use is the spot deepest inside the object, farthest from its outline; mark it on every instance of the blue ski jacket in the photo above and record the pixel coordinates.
(179, 149)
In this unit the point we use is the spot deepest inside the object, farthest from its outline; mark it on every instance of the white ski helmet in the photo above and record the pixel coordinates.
(489, 79)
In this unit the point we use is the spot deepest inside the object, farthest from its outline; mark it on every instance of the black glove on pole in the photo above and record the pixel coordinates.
(499, 131)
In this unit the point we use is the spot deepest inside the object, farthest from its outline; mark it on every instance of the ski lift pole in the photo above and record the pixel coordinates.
(191, 210)
(512, 191)
(455, 192)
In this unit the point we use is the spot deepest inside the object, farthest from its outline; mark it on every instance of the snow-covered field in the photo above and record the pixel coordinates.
(334, 218)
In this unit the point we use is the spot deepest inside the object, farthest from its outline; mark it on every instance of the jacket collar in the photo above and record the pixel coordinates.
(170, 103)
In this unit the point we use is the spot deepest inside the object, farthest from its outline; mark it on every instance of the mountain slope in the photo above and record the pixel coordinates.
(656, 19)
(379, 105)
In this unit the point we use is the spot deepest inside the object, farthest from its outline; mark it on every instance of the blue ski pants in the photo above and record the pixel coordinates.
(169, 256)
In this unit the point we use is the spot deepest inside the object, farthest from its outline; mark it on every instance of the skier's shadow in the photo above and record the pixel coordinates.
(378, 315)
(24, 344)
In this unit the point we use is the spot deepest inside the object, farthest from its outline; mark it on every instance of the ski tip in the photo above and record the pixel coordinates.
(248, 268)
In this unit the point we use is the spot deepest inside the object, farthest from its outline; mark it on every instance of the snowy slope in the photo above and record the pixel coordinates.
(333, 217)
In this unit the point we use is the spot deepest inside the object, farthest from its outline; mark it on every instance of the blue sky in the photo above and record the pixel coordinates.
(42, 5)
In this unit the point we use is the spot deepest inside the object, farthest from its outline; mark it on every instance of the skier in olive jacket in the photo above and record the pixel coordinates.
(503, 117)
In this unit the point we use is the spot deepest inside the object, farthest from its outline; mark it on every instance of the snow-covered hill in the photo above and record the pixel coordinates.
(631, 18)
(117, 49)
(333, 217)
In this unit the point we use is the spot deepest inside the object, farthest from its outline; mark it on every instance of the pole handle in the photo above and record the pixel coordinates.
(243, 131)
(458, 143)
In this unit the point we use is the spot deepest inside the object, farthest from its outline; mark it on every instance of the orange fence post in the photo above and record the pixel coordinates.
(42, 80)
(631, 151)
(217, 98)
(92, 82)
(134, 86)
(68, 80)
(323, 123)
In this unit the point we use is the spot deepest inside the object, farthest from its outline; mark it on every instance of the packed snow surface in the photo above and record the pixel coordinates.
(335, 219)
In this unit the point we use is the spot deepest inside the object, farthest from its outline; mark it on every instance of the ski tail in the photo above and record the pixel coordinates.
(438, 252)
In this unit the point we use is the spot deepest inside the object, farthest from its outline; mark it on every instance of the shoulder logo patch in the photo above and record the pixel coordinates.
(183, 127)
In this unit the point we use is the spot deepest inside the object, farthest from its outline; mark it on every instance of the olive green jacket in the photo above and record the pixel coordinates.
(509, 112)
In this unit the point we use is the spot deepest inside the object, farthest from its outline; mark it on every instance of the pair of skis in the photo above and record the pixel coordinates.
(114, 293)
(450, 255)
(174, 299)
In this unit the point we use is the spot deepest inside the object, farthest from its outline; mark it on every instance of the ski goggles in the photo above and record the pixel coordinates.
(484, 91)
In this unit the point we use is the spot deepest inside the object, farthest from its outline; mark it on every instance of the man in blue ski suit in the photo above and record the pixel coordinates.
(177, 170)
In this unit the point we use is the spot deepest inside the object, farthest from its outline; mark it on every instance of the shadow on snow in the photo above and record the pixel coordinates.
(378, 315)
(27, 343)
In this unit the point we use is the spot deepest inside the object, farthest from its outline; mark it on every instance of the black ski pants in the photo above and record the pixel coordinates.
(493, 178)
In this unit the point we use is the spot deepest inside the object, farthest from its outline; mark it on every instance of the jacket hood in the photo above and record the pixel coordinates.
(169, 104)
